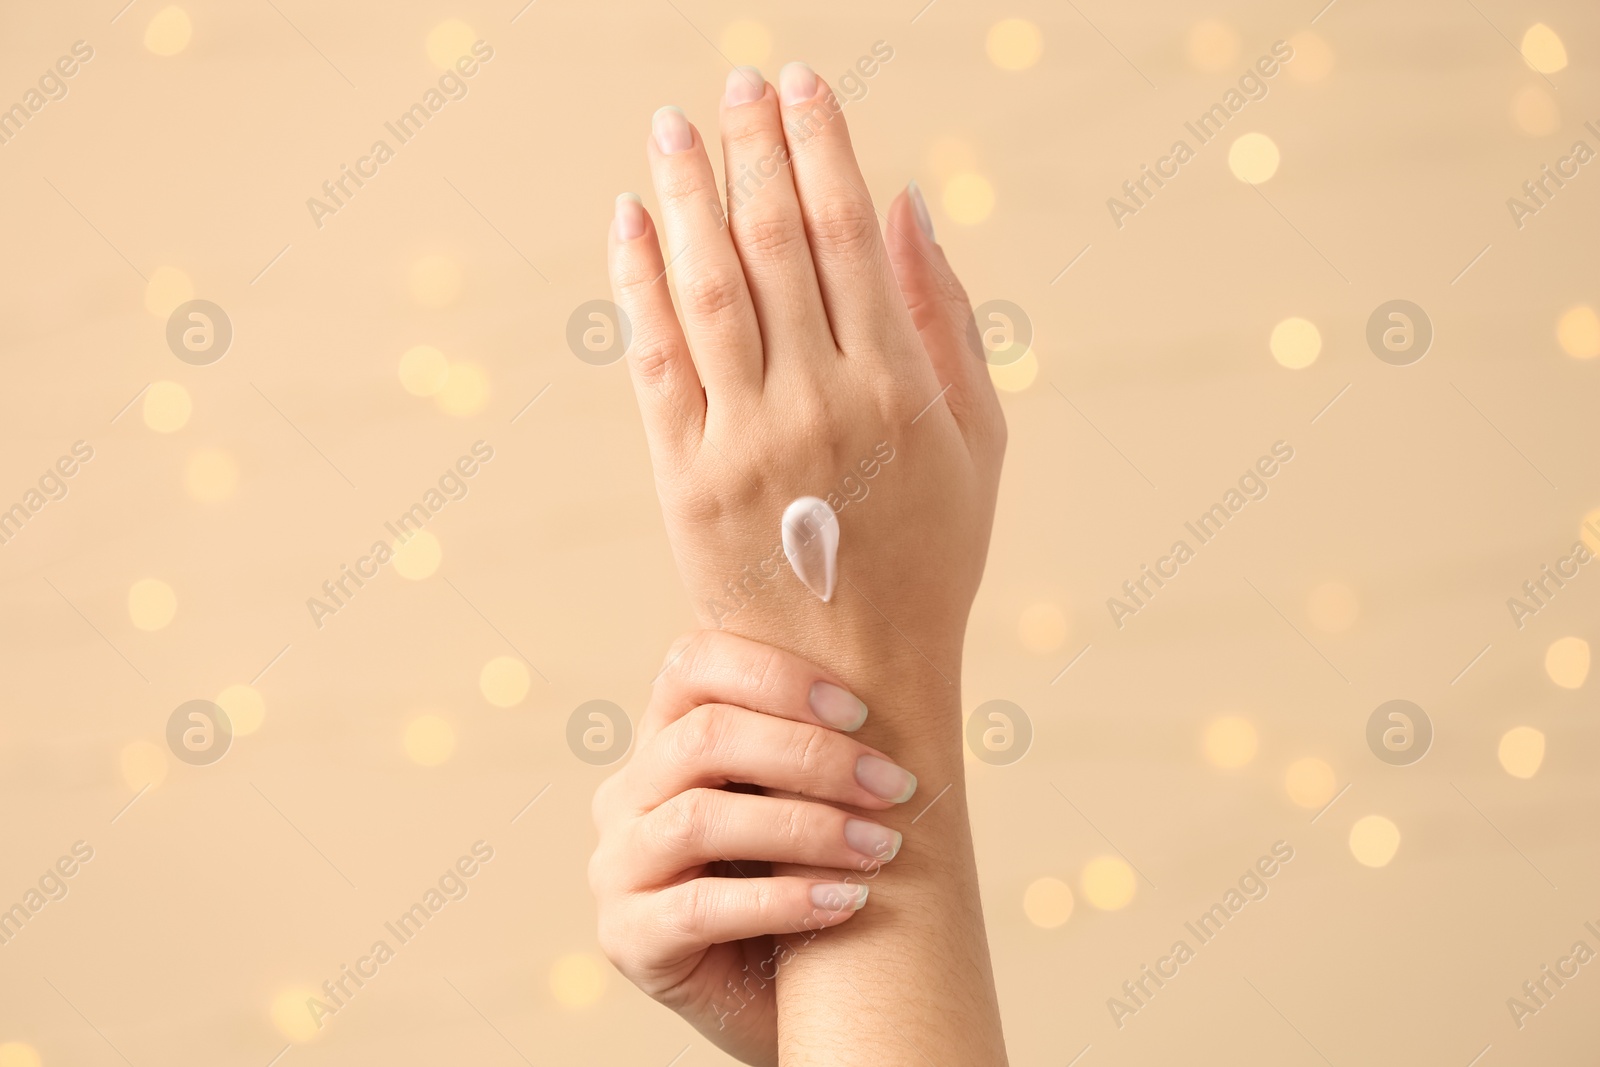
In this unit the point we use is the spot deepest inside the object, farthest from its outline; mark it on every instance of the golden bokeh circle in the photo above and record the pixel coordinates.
(1230, 742)
(1313, 58)
(1543, 49)
(1014, 44)
(1016, 376)
(1310, 782)
(1295, 343)
(1108, 883)
(448, 42)
(210, 475)
(423, 370)
(1578, 330)
(151, 604)
(429, 739)
(1522, 751)
(143, 764)
(17, 1054)
(1254, 158)
(419, 556)
(465, 391)
(166, 288)
(168, 33)
(291, 1014)
(1535, 111)
(245, 708)
(1589, 530)
(1047, 902)
(1042, 628)
(1374, 840)
(968, 197)
(1566, 661)
(167, 407)
(504, 681)
(577, 980)
(1213, 45)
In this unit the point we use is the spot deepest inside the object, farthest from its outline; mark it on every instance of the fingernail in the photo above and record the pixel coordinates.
(870, 839)
(630, 218)
(797, 83)
(839, 896)
(745, 86)
(884, 780)
(919, 208)
(837, 707)
(672, 131)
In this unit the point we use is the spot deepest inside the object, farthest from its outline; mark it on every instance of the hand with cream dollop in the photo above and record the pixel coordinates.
(811, 353)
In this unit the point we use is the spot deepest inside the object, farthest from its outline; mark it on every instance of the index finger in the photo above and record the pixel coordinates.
(716, 667)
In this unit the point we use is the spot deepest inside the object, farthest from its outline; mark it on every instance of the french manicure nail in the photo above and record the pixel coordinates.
(837, 707)
(870, 839)
(797, 83)
(629, 216)
(838, 896)
(671, 128)
(884, 780)
(745, 86)
(919, 208)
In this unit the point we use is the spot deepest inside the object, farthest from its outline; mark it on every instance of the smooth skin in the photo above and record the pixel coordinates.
(688, 905)
(806, 342)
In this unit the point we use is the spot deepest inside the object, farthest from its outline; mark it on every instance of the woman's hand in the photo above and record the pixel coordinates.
(687, 902)
(814, 356)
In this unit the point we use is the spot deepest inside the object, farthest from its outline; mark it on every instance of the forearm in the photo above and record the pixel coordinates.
(908, 979)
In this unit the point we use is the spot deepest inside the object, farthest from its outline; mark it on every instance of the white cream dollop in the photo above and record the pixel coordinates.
(811, 541)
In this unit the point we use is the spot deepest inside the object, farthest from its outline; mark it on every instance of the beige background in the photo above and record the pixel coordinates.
(1402, 130)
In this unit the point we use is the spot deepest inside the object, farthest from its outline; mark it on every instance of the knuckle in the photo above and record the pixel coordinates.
(699, 736)
(683, 185)
(844, 225)
(671, 827)
(653, 355)
(762, 673)
(688, 656)
(809, 756)
(751, 141)
(764, 900)
(688, 912)
(796, 825)
(768, 235)
(713, 292)
(632, 274)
